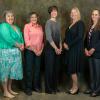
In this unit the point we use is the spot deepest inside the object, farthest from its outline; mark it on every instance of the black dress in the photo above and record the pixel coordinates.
(74, 38)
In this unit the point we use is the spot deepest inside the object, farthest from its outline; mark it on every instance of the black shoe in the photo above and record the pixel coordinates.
(94, 95)
(87, 92)
(48, 92)
(57, 90)
(54, 92)
(68, 91)
(37, 90)
(28, 92)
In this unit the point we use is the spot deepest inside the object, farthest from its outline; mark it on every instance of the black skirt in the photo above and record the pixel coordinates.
(74, 60)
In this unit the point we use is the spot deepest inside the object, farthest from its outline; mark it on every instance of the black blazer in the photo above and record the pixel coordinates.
(94, 43)
(74, 35)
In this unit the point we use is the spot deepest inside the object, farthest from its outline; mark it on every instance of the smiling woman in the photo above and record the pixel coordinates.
(73, 44)
(53, 51)
(33, 35)
(11, 45)
(92, 50)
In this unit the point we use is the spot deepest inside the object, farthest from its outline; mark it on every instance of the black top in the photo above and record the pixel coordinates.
(74, 39)
(74, 35)
(93, 42)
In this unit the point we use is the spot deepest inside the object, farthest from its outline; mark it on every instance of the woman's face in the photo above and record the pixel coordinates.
(10, 18)
(95, 15)
(33, 18)
(74, 14)
(54, 13)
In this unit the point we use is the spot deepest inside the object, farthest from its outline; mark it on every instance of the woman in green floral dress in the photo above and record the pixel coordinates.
(11, 45)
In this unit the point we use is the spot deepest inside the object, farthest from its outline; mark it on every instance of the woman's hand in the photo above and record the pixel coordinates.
(20, 46)
(58, 51)
(91, 51)
(61, 47)
(87, 52)
(66, 46)
(40, 51)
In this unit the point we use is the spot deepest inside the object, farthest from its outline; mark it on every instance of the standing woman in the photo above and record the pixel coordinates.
(92, 50)
(53, 50)
(73, 43)
(33, 35)
(11, 45)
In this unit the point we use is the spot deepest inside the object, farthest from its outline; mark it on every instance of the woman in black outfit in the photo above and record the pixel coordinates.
(53, 50)
(92, 50)
(73, 43)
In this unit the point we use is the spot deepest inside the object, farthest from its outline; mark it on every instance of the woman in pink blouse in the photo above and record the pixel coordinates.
(33, 36)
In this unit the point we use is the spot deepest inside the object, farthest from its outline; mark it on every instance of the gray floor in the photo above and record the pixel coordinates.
(58, 96)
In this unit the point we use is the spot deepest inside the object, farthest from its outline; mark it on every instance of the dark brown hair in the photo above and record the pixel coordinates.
(51, 8)
(97, 27)
(33, 13)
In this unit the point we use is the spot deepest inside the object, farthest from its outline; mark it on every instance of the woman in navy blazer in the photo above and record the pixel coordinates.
(92, 50)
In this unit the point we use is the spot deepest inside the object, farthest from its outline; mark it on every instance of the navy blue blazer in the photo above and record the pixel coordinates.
(94, 43)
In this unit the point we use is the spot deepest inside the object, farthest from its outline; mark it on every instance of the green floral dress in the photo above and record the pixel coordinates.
(10, 55)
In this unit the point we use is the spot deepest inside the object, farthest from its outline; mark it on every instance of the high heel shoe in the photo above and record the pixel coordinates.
(68, 91)
(74, 93)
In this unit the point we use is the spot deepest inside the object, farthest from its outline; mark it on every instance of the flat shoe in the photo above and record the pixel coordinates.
(9, 97)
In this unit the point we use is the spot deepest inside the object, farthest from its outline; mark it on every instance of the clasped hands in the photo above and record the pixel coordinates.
(89, 52)
(37, 52)
(58, 51)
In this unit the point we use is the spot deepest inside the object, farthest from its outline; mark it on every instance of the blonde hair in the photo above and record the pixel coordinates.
(78, 12)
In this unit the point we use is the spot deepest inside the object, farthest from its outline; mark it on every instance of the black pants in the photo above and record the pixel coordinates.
(52, 66)
(95, 74)
(32, 70)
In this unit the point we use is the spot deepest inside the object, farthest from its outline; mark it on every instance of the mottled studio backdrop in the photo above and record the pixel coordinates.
(23, 7)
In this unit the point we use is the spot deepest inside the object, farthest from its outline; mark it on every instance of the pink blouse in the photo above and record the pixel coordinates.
(33, 36)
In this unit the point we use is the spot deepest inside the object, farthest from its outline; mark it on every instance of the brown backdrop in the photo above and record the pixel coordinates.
(23, 7)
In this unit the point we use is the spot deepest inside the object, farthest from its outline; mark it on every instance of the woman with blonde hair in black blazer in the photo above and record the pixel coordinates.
(73, 44)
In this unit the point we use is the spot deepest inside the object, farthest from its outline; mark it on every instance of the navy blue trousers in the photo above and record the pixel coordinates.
(32, 70)
(95, 74)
